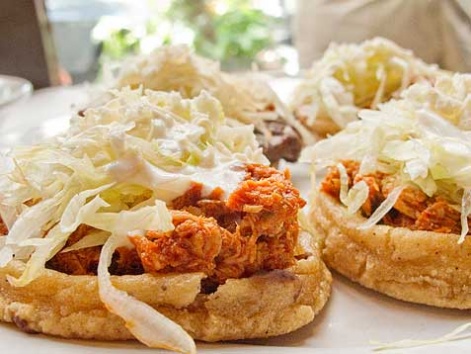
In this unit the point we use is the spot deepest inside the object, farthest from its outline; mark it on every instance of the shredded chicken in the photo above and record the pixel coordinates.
(85, 260)
(3, 228)
(413, 209)
(255, 229)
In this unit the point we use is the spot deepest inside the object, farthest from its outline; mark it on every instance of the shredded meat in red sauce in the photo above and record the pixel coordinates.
(3, 228)
(255, 229)
(414, 209)
(85, 260)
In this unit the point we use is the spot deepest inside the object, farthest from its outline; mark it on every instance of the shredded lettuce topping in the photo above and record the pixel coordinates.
(460, 333)
(350, 77)
(356, 196)
(246, 98)
(114, 170)
(421, 139)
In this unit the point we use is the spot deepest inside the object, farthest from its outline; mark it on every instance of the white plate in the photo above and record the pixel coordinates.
(13, 88)
(352, 318)
(40, 116)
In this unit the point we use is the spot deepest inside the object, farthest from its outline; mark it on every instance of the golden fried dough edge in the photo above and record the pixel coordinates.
(264, 305)
(417, 266)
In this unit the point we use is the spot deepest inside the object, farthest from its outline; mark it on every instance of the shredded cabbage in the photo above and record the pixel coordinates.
(420, 139)
(29, 225)
(245, 98)
(383, 209)
(54, 241)
(449, 98)
(343, 183)
(357, 195)
(77, 209)
(94, 238)
(354, 197)
(113, 170)
(350, 77)
(144, 322)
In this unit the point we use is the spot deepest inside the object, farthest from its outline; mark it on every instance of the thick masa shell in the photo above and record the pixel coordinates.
(418, 266)
(263, 305)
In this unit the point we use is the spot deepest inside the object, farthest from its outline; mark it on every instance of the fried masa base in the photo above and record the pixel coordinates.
(263, 305)
(418, 266)
(322, 127)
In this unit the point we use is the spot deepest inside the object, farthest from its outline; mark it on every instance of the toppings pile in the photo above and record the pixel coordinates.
(148, 182)
(176, 68)
(255, 229)
(350, 77)
(246, 98)
(412, 209)
(412, 153)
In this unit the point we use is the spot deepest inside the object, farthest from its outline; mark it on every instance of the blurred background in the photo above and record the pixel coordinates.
(238, 33)
(52, 42)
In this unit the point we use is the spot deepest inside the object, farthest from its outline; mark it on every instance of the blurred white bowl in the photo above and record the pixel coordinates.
(13, 88)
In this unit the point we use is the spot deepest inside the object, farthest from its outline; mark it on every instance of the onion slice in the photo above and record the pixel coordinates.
(144, 322)
(383, 209)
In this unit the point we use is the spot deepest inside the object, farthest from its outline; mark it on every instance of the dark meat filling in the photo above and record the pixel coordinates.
(414, 209)
(3, 228)
(279, 139)
(282, 142)
(255, 229)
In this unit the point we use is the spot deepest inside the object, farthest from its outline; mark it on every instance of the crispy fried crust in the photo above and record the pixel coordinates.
(263, 305)
(418, 266)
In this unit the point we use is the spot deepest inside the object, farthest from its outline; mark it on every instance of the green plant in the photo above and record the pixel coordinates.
(120, 43)
(239, 32)
(230, 31)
